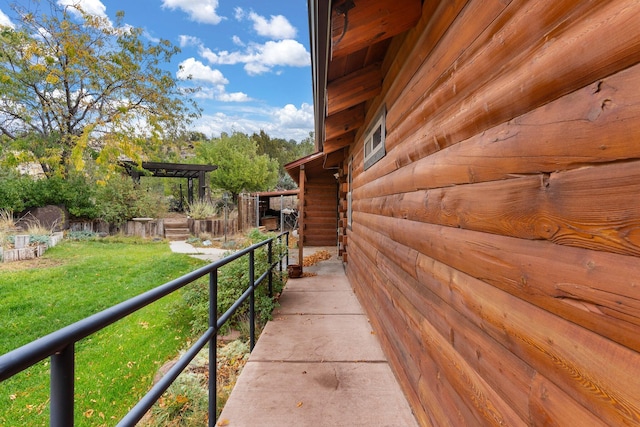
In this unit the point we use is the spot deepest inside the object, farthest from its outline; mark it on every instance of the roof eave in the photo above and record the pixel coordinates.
(319, 33)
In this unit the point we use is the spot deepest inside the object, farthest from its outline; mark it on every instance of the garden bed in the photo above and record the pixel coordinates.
(25, 248)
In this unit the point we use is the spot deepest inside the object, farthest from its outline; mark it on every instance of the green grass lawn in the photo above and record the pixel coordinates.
(114, 367)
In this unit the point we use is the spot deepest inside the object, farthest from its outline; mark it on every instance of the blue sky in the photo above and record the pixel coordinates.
(251, 58)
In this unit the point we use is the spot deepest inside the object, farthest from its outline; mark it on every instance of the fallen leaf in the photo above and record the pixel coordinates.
(299, 404)
(89, 413)
(223, 422)
(316, 258)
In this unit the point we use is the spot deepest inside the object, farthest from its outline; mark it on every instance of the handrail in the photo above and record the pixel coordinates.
(59, 345)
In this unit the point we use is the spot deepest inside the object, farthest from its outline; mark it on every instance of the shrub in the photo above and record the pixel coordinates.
(233, 280)
(185, 403)
(13, 190)
(81, 235)
(201, 209)
(76, 193)
(121, 199)
(7, 222)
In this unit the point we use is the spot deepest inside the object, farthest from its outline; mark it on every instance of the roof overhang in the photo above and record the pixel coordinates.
(313, 163)
(319, 14)
(349, 41)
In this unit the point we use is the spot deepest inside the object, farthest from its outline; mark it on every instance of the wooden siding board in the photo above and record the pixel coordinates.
(588, 367)
(463, 34)
(437, 403)
(551, 407)
(589, 126)
(321, 211)
(475, 401)
(497, 30)
(540, 76)
(597, 290)
(587, 207)
(506, 377)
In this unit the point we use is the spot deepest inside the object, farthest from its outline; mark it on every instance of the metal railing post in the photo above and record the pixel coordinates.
(62, 387)
(280, 255)
(287, 239)
(252, 301)
(270, 261)
(213, 347)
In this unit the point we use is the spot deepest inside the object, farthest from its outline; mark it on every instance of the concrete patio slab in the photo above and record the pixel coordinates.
(318, 363)
(318, 338)
(318, 395)
(321, 302)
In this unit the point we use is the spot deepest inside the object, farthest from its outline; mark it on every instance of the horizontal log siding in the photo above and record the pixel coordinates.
(496, 246)
(321, 211)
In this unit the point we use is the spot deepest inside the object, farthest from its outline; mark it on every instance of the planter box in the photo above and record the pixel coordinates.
(30, 252)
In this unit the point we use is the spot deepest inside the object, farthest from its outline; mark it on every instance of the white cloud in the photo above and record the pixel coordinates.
(284, 52)
(288, 122)
(290, 117)
(259, 59)
(92, 7)
(239, 13)
(184, 41)
(234, 97)
(277, 28)
(203, 11)
(5, 21)
(196, 70)
(237, 41)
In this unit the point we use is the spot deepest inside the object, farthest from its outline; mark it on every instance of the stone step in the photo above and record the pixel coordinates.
(176, 223)
(176, 229)
(176, 235)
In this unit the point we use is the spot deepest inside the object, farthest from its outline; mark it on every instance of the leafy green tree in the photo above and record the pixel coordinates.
(74, 84)
(283, 152)
(240, 167)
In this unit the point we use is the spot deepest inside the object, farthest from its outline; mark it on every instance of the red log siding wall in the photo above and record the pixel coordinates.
(495, 247)
(321, 207)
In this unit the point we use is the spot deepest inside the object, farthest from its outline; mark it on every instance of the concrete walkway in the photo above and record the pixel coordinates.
(207, 254)
(318, 363)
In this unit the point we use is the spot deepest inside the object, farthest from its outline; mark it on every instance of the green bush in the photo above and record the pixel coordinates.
(13, 190)
(81, 235)
(121, 199)
(233, 280)
(76, 193)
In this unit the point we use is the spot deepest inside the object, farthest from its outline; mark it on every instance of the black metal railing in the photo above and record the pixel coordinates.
(59, 345)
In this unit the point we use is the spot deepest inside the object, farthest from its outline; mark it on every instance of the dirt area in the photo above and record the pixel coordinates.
(29, 264)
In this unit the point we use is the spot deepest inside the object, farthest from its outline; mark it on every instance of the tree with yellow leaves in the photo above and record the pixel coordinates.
(76, 86)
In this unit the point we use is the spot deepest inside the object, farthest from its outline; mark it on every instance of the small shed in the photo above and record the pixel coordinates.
(277, 209)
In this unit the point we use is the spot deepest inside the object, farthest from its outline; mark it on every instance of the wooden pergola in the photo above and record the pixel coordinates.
(174, 170)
